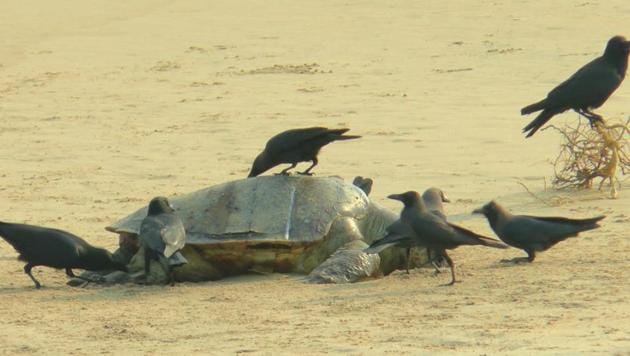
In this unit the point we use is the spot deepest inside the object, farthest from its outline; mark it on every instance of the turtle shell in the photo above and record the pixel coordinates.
(282, 210)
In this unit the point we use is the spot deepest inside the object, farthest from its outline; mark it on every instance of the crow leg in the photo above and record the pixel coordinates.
(167, 269)
(69, 273)
(432, 259)
(591, 116)
(307, 172)
(594, 117)
(408, 252)
(171, 277)
(451, 265)
(27, 270)
(147, 263)
(169, 274)
(531, 255)
(584, 114)
(436, 267)
(285, 172)
(436, 262)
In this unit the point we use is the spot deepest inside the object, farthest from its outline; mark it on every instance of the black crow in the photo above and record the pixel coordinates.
(587, 89)
(533, 233)
(162, 235)
(294, 146)
(434, 232)
(365, 184)
(433, 199)
(41, 246)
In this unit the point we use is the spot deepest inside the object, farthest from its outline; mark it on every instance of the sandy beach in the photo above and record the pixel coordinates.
(108, 104)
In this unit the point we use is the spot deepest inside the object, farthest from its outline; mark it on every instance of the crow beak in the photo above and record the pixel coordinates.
(445, 199)
(478, 211)
(395, 197)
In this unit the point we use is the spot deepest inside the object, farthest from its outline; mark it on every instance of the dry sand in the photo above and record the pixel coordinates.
(106, 104)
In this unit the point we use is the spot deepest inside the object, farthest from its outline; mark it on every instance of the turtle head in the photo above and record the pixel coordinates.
(260, 165)
(159, 205)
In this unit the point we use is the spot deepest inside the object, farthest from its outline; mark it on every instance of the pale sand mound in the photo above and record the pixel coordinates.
(106, 105)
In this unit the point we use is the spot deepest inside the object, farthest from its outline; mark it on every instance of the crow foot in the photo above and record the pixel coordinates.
(451, 283)
(516, 260)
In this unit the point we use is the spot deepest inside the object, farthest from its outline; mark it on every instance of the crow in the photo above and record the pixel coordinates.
(41, 246)
(294, 146)
(533, 233)
(365, 184)
(433, 199)
(430, 230)
(162, 235)
(587, 89)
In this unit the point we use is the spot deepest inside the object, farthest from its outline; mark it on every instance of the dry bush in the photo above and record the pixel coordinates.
(588, 153)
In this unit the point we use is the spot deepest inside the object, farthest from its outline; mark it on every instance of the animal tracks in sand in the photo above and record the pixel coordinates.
(306, 68)
(165, 66)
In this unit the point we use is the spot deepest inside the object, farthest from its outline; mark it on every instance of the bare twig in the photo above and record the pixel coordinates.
(534, 195)
(587, 154)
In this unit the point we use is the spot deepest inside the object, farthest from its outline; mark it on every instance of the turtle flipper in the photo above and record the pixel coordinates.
(347, 265)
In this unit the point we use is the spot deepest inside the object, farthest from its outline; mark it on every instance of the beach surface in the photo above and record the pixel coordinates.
(108, 104)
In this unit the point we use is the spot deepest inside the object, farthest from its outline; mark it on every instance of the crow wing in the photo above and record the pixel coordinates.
(590, 86)
(163, 233)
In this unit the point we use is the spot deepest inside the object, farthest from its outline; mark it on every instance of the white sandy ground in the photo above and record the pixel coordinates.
(107, 104)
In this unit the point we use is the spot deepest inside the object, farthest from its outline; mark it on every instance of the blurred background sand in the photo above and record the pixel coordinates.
(107, 104)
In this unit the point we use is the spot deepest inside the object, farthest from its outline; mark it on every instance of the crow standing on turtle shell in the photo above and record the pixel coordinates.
(162, 235)
(588, 88)
(533, 233)
(294, 146)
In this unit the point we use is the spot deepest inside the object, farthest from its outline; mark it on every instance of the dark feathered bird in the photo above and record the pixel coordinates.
(587, 89)
(162, 235)
(533, 233)
(434, 232)
(294, 146)
(365, 184)
(433, 199)
(41, 246)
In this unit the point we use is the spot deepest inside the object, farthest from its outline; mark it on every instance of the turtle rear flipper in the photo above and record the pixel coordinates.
(347, 265)
(102, 277)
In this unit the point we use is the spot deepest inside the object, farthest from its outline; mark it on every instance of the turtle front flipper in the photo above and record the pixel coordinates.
(349, 264)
